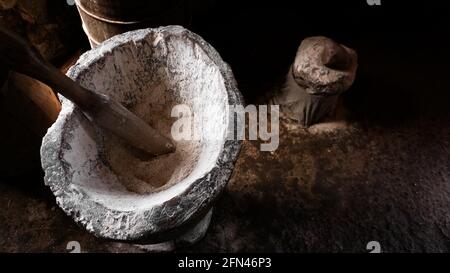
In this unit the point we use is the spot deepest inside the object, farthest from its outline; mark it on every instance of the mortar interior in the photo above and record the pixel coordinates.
(149, 77)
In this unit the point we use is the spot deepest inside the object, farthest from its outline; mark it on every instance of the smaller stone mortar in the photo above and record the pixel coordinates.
(322, 70)
(101, 184)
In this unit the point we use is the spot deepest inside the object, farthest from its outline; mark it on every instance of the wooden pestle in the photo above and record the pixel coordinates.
(17, 55)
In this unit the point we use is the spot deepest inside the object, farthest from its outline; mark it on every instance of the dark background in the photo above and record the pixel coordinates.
(402, 45)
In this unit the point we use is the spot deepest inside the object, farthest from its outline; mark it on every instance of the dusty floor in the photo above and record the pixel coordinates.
(386, 180)
(333, 192)
(338, 192)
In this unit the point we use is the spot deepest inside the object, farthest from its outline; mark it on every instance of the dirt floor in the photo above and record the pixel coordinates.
(332, 192)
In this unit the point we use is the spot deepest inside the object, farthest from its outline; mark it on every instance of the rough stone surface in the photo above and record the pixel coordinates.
(148, 71)
(52, 27)
(324, 67)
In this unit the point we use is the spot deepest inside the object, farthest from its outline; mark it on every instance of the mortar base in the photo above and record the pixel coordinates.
(190, 237)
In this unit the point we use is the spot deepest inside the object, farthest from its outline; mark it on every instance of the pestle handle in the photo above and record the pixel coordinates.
(17, 55)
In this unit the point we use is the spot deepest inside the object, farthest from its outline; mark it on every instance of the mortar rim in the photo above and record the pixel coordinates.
(199, 196)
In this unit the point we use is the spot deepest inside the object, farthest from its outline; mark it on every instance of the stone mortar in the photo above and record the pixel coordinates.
(322, 70)
(148, 71)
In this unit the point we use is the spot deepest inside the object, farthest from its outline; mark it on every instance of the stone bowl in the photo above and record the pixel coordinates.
(112, 191)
